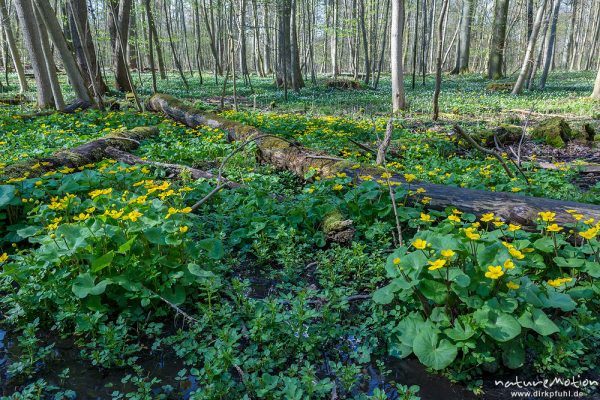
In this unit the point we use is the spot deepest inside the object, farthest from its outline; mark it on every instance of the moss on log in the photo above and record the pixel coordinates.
(555, 132)
(87, 153)
(510, 207)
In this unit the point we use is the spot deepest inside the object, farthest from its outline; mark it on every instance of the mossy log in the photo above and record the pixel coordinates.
(87, 153)
(555, 131)
(283, 154)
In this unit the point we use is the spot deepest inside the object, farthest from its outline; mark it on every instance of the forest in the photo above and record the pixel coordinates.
(299, 199)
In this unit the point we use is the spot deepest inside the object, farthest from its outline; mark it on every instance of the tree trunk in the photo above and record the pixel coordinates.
(438, 63)
(84, 46)
(150, 48)
(550, 47)
(59, 102)
(596, 91)
(50, 21)
(120, 13)
(496, 55)
(32, 41)
(510, 207)
(464, 41)
(86, 153)
(363, 30)
(14, 50)
(398, 99)
(566, 56)
(527, 61)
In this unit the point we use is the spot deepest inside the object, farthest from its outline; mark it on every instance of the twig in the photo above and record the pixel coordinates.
(469, 139)
(362, 146)
(178, 310)
(221, 185)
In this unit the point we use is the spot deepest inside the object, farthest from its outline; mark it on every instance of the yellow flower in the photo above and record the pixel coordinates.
(589, 221)
(554, 228)
(559, 281)
(498, 224)
(410, 177)
(341, 175)
(516, 253)
(366, 178)
(454, 218)
(425, 200)
(577, 216)
(386, 175)
(39, 183)
(396, 261)
(509, 264)
(487, 217)
(513, 228)
(472, 235)
(3, 257)
(81, 217)
(338, 186)
(420, 244)
(494, 272)
(515, 189)
(186, 210)
(589, 234)
(113, 214)
(547, 216)
(99, 192)
(457, 212)
(90, 210)
(183, 229)
(447, 253)
(512, 285)
(437, 264)
(421, 191)
(426, 217)
(133, 216)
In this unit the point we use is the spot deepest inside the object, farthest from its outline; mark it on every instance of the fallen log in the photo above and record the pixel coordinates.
(87, 153)
(283, 154)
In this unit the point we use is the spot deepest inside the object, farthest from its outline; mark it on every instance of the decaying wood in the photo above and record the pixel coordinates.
(510, 207)
(87, 153)
(385, 143)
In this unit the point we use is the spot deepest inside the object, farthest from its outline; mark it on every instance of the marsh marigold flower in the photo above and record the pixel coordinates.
(437, 264)
(420, 244)
(494, 272)
(547, 216)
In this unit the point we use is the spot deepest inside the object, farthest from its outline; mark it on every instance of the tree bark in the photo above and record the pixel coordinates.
(282, 154)
(33, 44)
(12, 46)
(86, 153)
(496, 55)
(550, 46)
(464, 41)
(83, 45)
(398, 99)
(438, 63)
(527, 61)
(50, 21)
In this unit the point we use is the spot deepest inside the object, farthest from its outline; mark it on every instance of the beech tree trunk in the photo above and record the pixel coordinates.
(398, 99)
(464, 41)
(496, 55)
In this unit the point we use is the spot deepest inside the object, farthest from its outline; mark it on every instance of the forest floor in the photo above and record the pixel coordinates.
(112, 287)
